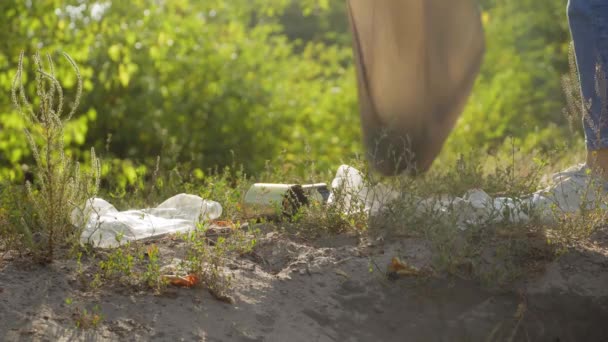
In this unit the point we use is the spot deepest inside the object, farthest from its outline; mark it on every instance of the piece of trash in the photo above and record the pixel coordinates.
(189, 280)
(178, 273)
(399, 268)
(342, 273)
(105, 227)
(264, 199)
(223, 224)
(353, 193)
(219, 231)
(222, 297)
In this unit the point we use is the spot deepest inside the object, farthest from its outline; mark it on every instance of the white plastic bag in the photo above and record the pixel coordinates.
(355, 195)
(107, 227)
(474, 207)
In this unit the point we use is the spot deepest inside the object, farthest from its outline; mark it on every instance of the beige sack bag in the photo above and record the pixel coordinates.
(417, 61)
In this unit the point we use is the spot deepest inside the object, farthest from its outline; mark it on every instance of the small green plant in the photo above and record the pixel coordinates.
(242, 241)
(152, 276)
(9, 239)
(97, 281)
(214, 276)
(574, 227)
(119, 262)
(83, 318)
(226, 186)
(207, 260)
(318, 218)
(60, 186)
(14, 208)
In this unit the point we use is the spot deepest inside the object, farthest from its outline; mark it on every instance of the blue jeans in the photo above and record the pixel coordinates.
(588, 21)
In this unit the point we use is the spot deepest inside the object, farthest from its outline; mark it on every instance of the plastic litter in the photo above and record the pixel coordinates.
(189, 280)
(263, 199)
(106, 227)
(350, 189)
(400, 268)
(177, 273)
(571, 191)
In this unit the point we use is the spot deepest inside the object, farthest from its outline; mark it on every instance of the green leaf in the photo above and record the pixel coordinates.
(114, 52)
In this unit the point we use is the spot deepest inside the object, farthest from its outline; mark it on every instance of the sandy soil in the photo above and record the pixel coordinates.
(333, 289)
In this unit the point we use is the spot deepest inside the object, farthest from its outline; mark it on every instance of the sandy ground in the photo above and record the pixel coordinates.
(334, 289)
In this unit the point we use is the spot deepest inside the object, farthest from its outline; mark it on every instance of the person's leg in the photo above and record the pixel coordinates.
(588, 21)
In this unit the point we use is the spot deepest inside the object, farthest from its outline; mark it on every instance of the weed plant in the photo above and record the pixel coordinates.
(60, 186)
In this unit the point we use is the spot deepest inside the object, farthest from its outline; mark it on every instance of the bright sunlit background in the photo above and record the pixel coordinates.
(213, 83)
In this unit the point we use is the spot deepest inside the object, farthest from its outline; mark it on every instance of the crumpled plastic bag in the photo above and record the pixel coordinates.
(351, 191)
(106, 227)
(354, 194)
(477, 207)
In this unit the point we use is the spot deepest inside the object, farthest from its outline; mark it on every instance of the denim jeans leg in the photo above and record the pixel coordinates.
(588, 21)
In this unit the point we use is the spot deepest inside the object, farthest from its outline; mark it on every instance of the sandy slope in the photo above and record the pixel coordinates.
(324, 291)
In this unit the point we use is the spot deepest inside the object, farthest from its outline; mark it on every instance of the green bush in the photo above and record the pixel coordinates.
(207, 84)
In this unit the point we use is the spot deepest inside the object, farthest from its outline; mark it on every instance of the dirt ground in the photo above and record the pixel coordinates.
(332, 289)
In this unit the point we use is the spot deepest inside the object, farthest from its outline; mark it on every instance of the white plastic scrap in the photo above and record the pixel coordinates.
(571, 191)
(107, 227)
(354, 195)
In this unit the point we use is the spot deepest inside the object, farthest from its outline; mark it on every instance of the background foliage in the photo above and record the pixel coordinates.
(212, 83)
